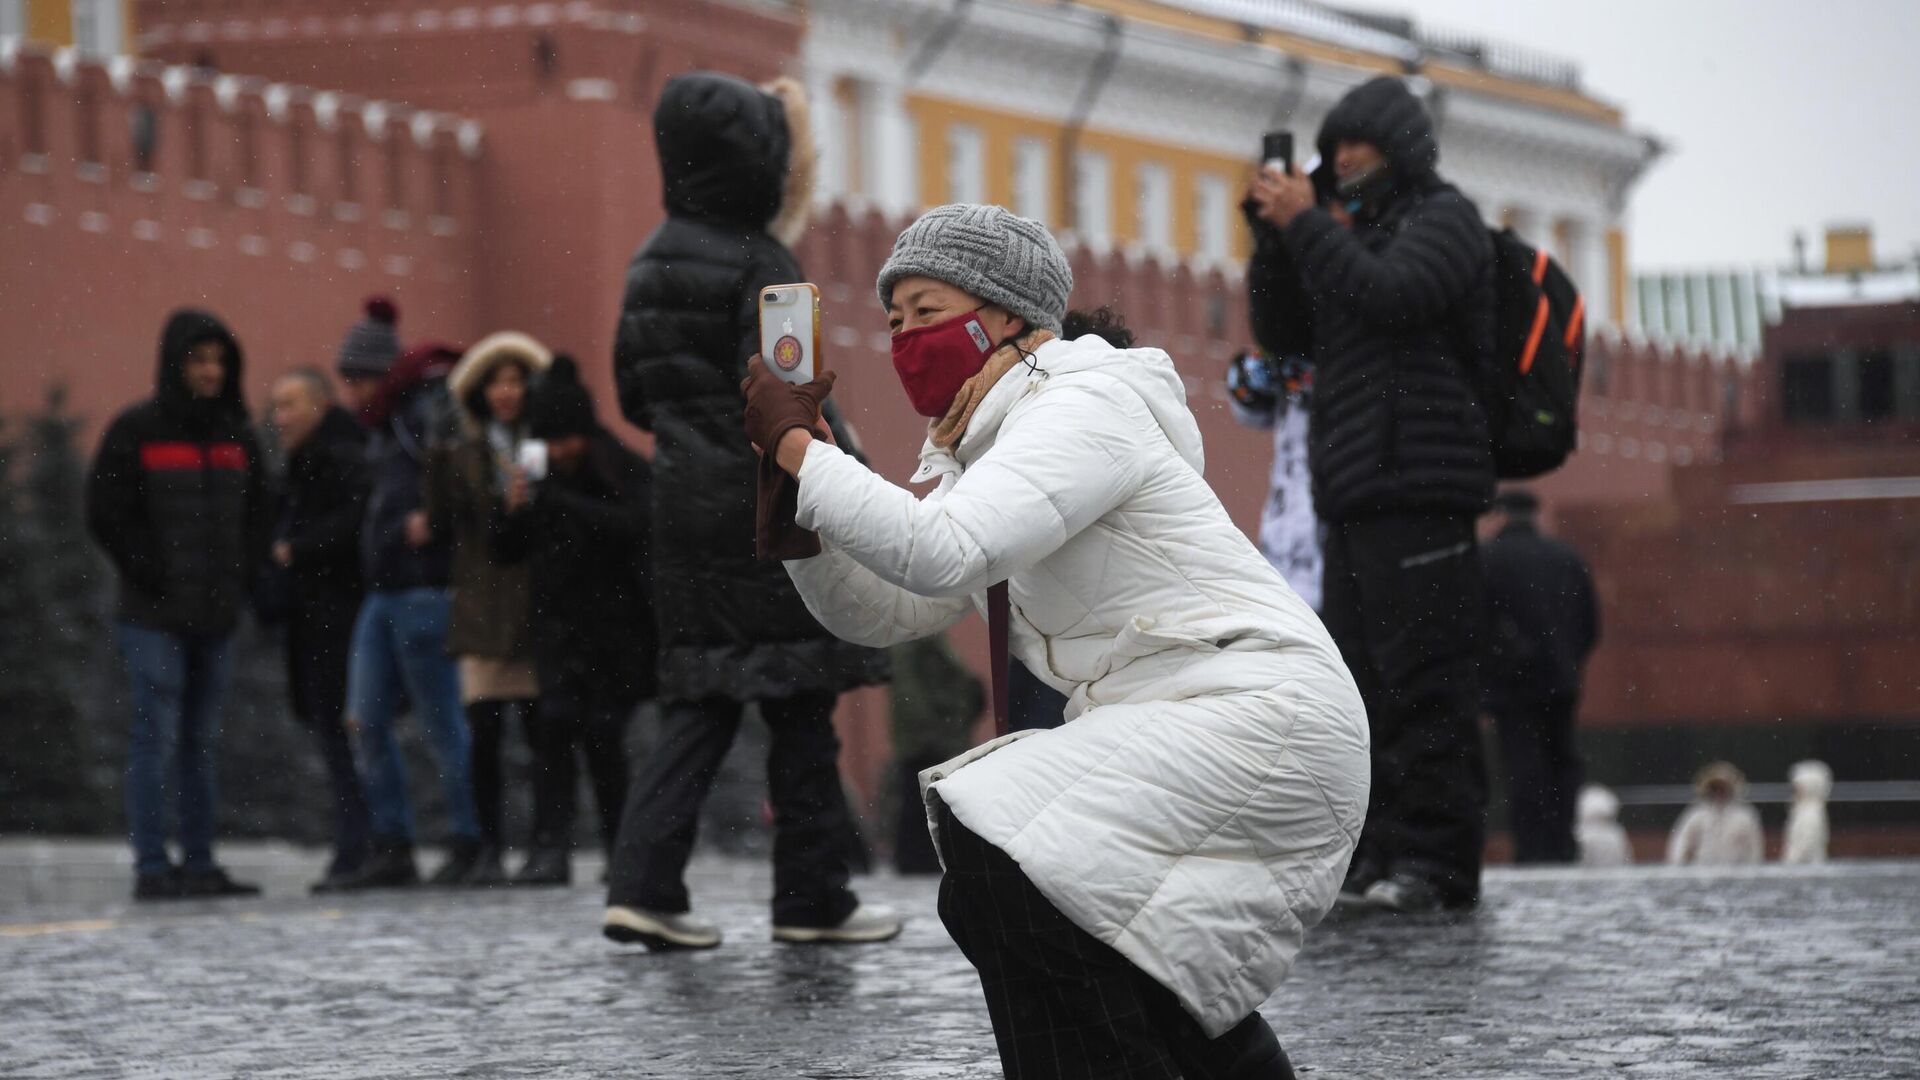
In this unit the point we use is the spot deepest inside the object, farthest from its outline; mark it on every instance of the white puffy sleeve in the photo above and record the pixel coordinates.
(1057, 466)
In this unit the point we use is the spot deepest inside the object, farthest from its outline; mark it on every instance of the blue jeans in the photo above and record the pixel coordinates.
(176, 682)
(400, 657)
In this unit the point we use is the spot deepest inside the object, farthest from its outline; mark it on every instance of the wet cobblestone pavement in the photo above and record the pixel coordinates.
(1765, 973)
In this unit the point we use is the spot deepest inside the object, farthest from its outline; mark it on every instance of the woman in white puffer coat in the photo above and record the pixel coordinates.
(1131, 886)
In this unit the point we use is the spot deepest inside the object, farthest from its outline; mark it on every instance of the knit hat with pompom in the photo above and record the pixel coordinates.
(373, 343)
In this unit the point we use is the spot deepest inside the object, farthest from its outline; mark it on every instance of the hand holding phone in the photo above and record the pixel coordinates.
(532, 459)
(790, 331)
(1276, 151)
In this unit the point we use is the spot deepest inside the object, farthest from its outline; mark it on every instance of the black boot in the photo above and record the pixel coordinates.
(165, 885)
(213, 881)
(546, 866)
(390, 866)
(462, 856)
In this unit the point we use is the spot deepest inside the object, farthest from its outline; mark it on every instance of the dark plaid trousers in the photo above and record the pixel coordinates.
(1064, 1006)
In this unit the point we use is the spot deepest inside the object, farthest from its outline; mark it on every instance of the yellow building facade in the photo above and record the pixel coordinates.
(95, 27)
(1134, 124)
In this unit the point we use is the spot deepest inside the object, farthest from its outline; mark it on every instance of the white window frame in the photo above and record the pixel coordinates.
(1093, 198)
(1213, 218)
(1153, 207)
(99, 27)
(966, 164)
(1033, 179)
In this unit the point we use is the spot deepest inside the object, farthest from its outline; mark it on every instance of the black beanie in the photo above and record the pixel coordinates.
(561, 405)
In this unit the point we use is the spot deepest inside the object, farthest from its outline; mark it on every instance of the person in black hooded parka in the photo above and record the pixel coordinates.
(583, 534)
(1383, 272)
(736, 165)
(177, 499)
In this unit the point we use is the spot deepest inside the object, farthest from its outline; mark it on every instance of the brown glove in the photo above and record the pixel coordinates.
(775, 407)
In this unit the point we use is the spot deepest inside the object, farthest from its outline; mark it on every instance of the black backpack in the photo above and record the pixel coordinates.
(1530, 385)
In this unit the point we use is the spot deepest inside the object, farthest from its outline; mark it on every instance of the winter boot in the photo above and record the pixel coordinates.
(165, 885)
(391, 866)
(214, 881)
(462, 856)
(546, 866)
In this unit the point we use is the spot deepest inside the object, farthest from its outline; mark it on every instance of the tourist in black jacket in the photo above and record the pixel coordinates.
(316, 550)
(176, 498)
(1542, 623)
(1383, 272)
(735, 164)
(582, 532)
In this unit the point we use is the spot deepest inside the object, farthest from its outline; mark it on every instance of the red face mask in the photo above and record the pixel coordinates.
(933, 362)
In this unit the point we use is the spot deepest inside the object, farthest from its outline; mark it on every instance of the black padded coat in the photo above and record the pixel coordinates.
(1396, 311)
(730, 625)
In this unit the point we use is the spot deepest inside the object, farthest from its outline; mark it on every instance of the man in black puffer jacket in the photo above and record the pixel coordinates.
(735, 163)
(1384, 273)
(176, 498)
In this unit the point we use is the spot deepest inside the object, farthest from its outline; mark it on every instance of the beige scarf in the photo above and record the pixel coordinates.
(947, 431)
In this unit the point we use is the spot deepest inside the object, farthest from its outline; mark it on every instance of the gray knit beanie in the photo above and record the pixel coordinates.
(373, 343)
(989, 251)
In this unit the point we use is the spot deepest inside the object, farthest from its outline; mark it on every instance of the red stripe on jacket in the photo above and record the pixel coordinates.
(178, 456)
(171, 456)
(227, 456)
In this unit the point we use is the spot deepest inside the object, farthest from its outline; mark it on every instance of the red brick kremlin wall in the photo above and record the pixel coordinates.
(516, 202)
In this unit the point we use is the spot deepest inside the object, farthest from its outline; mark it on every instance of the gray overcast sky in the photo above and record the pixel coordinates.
(1778, 115)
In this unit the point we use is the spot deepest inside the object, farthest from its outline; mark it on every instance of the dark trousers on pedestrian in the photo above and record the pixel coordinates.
(1404, 604)
(319, 642)
(176, 682)
(591, 722)
(487, 721)
(1543, 776)
(810, 817)
(1065, 1006)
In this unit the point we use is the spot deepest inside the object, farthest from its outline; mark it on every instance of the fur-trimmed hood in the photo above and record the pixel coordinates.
(735, 152)
(470, 375)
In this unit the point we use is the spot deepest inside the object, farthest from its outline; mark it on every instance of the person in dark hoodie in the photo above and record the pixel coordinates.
(1382, 272)
(582, 532)
(316, 549)
(400, 653)
(177, 499)
(736, 163)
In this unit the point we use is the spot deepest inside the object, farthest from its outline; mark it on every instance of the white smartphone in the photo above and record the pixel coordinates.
(533, 459)
(790, 330)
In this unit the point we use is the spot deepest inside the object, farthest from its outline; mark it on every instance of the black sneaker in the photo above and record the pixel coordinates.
(165, 885)
(462, 856)
(390, 867)
(1410, 894)
(546, 866)
(213, 881)
(1360, 877)
(487, 871)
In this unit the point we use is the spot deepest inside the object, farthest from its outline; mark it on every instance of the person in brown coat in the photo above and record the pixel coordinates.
(491, 600)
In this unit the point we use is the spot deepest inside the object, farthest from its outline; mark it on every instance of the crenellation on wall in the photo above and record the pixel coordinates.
(225, 141)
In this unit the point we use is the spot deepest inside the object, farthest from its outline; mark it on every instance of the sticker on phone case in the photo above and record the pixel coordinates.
(787, 353)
